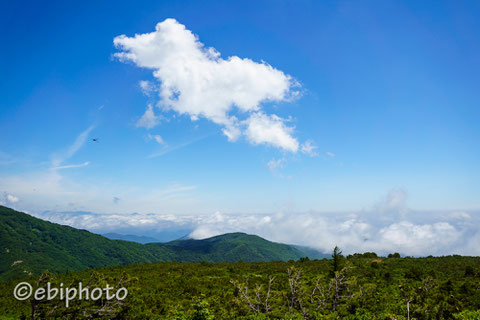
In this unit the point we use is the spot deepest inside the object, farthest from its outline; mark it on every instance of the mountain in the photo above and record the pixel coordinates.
(169, 231)
(29, 245)
(312, 253)
(130, 237)
(233, 247)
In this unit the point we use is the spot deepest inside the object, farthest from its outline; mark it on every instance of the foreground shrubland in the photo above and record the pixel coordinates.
(356, 287)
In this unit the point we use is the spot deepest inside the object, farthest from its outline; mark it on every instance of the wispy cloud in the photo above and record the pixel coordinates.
(147, 87)
(72, 166)
(173, 191)
(309, 149)
(157, 138)
(275, 165)
(51, 190)
(168, 149)
(59, 158)
(148, 119)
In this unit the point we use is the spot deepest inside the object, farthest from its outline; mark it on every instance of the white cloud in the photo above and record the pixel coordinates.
(195, 81)
(157, 138)
(309, 149)
(10, 198)
(417, 239)
(460, 215)
(148, 119)
(330, 154)
(105, 222)
(265, 129)
(359, 233)
(394, 201)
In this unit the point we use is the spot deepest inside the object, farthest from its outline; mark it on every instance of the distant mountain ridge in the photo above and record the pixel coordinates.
(130, 237)
(29, 245)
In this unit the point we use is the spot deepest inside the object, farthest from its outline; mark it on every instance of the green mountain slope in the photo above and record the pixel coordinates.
(233, 247)
(29, 246)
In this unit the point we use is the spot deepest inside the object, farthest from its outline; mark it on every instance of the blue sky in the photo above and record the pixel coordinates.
(343, 104)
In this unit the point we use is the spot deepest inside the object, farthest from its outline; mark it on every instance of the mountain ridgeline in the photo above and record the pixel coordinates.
(130, 237)
(29, 246)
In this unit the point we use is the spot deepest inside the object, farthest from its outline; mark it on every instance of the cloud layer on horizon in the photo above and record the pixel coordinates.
(388, 226)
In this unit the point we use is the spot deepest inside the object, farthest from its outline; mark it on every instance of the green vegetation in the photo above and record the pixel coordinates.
(359, 286)
(363, 288)
(29, 246)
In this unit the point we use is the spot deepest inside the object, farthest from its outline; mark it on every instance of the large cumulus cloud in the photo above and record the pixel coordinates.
(196, 81)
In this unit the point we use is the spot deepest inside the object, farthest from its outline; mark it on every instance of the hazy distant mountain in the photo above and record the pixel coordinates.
(130, 237)
(312, 253)
(30, 245)
(166, 231)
